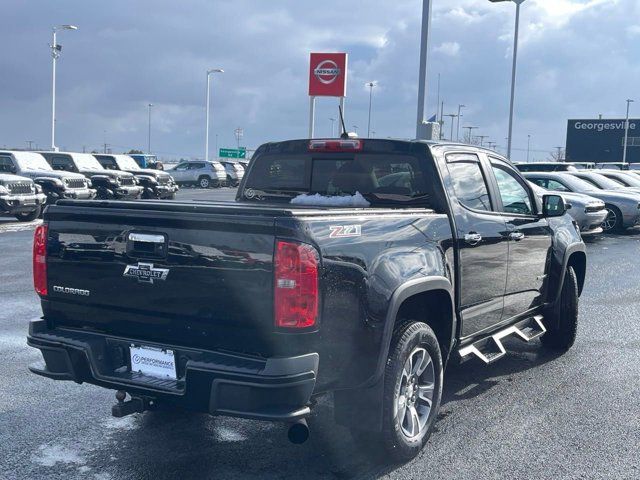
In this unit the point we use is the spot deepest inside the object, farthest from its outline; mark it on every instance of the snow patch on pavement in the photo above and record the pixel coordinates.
(51, 455)
(226, 434)
(19, 226)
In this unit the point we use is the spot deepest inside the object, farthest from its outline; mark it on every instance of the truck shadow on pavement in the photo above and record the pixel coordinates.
(187, 445)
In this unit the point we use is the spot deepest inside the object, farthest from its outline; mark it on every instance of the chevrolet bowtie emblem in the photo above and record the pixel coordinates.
(145, 272)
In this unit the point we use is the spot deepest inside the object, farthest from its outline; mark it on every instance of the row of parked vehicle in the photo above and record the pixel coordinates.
(30, 180)
(603, 197)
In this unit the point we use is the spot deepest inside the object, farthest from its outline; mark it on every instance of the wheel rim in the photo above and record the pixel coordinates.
(611, 220)
(204, 183)
(414, 398)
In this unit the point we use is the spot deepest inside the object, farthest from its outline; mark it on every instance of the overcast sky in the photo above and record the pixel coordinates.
(578, 58)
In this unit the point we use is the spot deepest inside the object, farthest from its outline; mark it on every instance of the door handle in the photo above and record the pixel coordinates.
(473, 238)
(516, 236)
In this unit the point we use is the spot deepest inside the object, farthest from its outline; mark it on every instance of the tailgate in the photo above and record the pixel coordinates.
(185, 276)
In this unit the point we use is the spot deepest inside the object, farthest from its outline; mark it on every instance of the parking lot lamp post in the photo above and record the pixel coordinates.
(513, 71)
(453, 117)
(422, 75)
(149, 131)
(460, 107)
(528, 146)
(206, 141)
(626, 133)
(56, 50)
(469, 135)
(370, 85)
(333, 121)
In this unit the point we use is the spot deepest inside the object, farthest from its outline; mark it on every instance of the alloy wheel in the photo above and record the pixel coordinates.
(611, 220)
(414, 398)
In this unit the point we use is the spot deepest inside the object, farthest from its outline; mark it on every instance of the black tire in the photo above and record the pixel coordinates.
(613, 222)
(204, 182)
(172, 196)
(562, 321)
(29, 217)
(409, 338)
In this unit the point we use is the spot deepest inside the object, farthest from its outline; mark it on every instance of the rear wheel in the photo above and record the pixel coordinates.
(562, 327)
(204, 182)
(613, 222)
(412, 390)
(29, 217)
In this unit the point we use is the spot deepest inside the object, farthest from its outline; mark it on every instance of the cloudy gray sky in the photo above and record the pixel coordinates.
(578, 58)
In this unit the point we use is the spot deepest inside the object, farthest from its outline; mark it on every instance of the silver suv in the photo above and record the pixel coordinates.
(55, 184)
(200, 173)
(235, 172)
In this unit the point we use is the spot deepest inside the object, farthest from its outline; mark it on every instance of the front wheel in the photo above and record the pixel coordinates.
(412, 390)
(29, 217)
(562, 324)
(204, 182)
(613, 222)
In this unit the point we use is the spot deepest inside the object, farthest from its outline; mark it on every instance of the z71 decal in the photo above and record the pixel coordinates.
(344, 231)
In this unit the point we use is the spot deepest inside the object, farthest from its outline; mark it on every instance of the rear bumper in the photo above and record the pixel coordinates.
(13, 204)
(276, 389)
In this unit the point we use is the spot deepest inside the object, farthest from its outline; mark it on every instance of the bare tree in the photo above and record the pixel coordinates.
(557, 155)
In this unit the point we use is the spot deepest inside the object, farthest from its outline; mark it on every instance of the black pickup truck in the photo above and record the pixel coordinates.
(353, 267)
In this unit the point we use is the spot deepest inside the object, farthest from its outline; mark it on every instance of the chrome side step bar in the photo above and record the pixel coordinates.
(491, 348)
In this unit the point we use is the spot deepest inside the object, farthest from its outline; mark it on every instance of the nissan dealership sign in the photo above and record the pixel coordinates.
(328, 75)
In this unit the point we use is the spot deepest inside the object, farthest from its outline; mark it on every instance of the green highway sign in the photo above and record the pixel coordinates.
(233, 152)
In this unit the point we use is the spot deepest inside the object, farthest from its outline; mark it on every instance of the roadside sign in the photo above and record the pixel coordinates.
(233, 152)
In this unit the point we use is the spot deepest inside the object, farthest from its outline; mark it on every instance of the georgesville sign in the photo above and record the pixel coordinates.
(328, 75)
(602, 140)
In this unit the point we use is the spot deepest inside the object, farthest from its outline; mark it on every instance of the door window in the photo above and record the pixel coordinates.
(182, 166)
(6, 165)
(196, 166)
(515, 197)
(468, 181)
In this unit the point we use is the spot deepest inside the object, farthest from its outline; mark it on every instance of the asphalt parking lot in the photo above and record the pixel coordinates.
(530, 415)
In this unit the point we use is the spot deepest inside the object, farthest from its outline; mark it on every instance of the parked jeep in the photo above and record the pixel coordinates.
(108, 183)
(20, 197)
(156, 183)
(55, 185)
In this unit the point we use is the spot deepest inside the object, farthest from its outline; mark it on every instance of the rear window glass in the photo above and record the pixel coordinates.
(337, 175)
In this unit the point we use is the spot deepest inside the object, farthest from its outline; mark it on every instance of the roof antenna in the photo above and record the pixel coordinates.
(344, 133)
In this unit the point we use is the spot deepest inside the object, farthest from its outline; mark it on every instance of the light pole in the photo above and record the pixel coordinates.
(460, 107)
(422, 74)
(239, 132)
(528, 146)
(482, 137)
(626, 132)
(452, 116)
(333, 121)
(470, 129)
(206, 141)
(513, 71)
(355, 129)
(56, 50)
(149, 133)
(370, 85)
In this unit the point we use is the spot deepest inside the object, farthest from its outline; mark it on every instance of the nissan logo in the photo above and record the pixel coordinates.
(327, 71)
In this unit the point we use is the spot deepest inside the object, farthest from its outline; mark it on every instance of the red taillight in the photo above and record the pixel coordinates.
(335, 145)
(296, 285)
(40, 259)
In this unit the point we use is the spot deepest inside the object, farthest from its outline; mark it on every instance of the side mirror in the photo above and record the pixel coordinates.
(553, 206)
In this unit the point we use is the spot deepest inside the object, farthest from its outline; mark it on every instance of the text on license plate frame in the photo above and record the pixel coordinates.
(153, 361)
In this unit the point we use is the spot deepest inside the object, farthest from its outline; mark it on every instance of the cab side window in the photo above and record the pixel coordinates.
(468, 181)
(62, 163)
(182, 166)
(6, 165)
(515, 197)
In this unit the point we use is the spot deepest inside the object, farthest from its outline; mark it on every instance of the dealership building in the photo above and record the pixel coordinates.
(602, 140)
